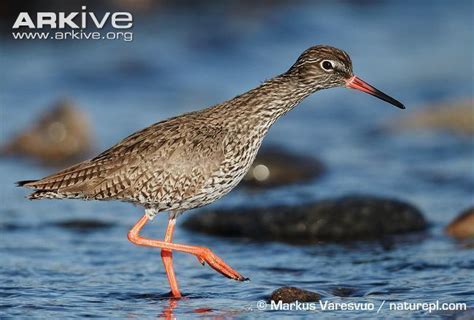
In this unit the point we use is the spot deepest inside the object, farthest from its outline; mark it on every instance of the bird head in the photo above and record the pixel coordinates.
(323, 67)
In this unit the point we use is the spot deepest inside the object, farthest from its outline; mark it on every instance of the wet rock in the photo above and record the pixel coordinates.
(346, 218)
(457, 117)
(463, 226)
(292, 294)
(275, 167)
(84, 225)
(60, 135)
(343, 292)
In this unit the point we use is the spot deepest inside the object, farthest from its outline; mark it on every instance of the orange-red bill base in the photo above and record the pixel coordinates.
(359, 84)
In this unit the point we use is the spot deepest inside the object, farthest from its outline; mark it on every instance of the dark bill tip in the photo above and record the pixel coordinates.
(359, 84)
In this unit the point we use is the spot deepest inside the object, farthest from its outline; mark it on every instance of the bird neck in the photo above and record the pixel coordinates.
(263, 105)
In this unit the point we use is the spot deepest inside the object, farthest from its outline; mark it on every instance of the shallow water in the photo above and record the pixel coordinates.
(179, 61)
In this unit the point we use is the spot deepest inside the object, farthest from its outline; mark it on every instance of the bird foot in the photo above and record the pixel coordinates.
(207, 256)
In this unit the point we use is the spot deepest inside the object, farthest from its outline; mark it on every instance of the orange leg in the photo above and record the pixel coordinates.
(204, 255)
(167, 257)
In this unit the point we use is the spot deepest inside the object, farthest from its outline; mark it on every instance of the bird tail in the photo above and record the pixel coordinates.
(26, 183)
(38, 194)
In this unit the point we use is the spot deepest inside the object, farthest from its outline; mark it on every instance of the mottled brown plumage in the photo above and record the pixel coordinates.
(194, 159)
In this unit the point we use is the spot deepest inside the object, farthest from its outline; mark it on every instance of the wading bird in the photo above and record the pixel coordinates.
(194, 159)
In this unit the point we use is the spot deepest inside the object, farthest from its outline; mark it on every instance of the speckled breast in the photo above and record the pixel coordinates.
(240, 149)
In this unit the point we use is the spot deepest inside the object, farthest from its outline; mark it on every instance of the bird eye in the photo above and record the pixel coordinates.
(327, 65)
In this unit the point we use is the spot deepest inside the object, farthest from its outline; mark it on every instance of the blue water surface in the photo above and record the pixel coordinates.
(181, 60)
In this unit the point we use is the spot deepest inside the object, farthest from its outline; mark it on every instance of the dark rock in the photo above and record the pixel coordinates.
(61, 135)
(463, 226)
(292, 294)
(454, 117)
(274, 167)
(84, 225)
(347, 218)
(343, 292)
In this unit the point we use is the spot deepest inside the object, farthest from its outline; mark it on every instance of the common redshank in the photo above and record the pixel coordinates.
(194, 159)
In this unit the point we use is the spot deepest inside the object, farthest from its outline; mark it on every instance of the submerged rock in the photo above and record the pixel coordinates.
(462, 227)
(84, 225)
(346, 218)
(275, 166)
(344, 291)
(455, 117)
(292, 294)
(60, 135)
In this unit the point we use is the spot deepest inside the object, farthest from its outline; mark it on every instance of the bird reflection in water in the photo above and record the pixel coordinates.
(168, 310)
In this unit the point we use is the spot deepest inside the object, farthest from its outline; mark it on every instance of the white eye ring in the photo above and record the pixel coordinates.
(327, 65)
